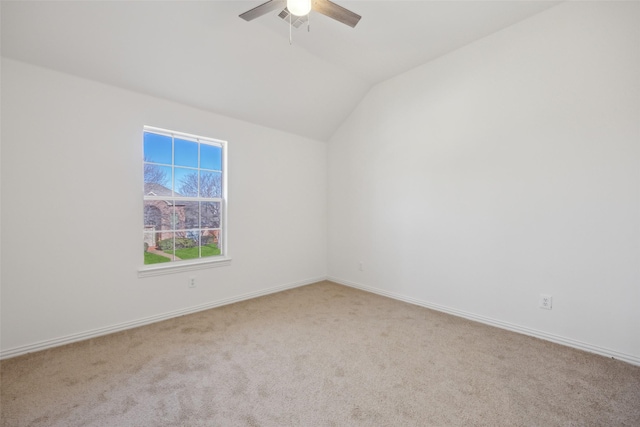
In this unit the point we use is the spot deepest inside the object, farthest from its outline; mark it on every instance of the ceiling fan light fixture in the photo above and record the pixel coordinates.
(299, 7)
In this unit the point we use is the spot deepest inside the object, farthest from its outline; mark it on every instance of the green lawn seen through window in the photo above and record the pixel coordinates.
(150, 258)
(191, 253)
(184, 253)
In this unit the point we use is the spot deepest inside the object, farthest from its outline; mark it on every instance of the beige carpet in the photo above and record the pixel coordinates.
(320, 355)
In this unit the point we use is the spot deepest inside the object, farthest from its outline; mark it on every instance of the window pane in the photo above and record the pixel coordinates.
(191, 214)
(187, 244)
(186, 182)
(149, 236)
(210, 157)
(178, 217)
(188, 239)
(157, 180)
(185, 153)
(210, 184)
(157, 148)
(165, 245)
(152, 216)
(210, 243)
(151, 254)
(210, 215)
(158, 217)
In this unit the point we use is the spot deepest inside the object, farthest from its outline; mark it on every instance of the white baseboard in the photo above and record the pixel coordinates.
(634, 360)
(68, 339)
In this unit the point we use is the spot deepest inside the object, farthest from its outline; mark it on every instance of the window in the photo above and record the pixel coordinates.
(184, 198)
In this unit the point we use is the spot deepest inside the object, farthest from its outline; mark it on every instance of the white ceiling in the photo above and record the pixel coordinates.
(202, 54)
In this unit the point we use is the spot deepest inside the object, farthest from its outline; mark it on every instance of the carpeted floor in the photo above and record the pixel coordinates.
(319, 355)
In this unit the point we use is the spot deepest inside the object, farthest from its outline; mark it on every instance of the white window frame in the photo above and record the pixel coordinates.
(193, 264)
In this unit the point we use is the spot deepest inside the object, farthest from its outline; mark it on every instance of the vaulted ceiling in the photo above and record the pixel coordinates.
(202, 54)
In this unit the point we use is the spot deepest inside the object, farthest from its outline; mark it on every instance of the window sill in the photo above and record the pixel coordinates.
(180, 266)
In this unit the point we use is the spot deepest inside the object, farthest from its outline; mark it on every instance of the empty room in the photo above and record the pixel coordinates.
(317, 213)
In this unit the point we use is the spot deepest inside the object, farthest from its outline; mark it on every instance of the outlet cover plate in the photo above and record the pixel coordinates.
(545, 301)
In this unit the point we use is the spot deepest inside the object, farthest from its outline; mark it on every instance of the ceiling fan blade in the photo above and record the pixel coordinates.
(336, 12)
(263, 9)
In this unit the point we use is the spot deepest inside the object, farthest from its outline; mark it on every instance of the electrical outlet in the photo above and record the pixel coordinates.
(192, 282)
(361, 266)
(545, 301)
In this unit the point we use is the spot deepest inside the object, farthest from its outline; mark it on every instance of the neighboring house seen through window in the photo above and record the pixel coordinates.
(183, 196)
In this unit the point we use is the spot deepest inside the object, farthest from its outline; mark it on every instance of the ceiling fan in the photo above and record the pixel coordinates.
(301, 9)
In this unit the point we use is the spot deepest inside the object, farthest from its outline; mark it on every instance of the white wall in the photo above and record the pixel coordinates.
(72, 209)
(506, 169)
